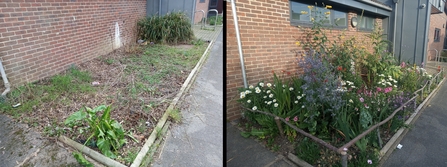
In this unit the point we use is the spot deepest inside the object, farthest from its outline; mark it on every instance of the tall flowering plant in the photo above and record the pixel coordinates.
(323, 92)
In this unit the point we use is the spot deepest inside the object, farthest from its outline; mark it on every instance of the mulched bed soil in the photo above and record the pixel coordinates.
(131, 110)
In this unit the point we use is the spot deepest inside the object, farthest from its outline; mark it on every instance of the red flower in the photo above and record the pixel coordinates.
(288, 73)
(339, 68)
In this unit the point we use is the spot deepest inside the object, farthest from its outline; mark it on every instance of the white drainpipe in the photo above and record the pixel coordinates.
(5, 80)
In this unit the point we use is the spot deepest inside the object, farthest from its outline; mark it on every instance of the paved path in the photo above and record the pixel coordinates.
(247, 152)
(425, 143)
(198, 140)
(206, 34)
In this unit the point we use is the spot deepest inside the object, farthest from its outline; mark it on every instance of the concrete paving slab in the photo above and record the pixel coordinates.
(193, 142)
(246, 151)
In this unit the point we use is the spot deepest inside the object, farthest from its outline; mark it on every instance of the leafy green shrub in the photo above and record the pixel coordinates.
(308, 151)
(212, 20)
(174, 27)
(108, 134)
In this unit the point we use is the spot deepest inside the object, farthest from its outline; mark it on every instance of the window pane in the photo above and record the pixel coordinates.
(370, 23)
(321, 14)
(300, 11)
(367, 23)
(340, 18)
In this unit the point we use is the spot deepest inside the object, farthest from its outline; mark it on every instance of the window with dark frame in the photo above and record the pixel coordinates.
(366, 22)
(302, 14)
(437, 31)
(202, 1)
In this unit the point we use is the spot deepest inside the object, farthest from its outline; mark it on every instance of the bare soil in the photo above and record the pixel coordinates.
(132, 109)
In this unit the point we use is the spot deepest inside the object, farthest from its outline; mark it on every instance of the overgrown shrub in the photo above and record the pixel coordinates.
(171, 28)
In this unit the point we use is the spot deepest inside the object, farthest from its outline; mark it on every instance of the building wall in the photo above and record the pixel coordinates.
(39, 38)
(200, 6)
(436, 21)
(267, 40)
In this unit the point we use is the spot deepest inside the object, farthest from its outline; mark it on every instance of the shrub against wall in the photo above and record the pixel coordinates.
(171, 28)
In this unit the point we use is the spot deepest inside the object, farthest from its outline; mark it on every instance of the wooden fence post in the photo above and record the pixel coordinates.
(278, 123)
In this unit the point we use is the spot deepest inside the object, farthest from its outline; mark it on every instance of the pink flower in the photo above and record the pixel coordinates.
(402, 64)
(362, 100)
(388, 89)
(295, 118)
(370, 161)
(287, 119)
(379, 89)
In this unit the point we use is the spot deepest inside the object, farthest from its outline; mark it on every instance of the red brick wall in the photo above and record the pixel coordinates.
(201, 6)
(436, 21)
(267, 40)
(39, 38)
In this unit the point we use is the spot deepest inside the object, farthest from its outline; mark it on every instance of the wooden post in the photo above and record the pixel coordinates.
(344, 159)
(278, 123)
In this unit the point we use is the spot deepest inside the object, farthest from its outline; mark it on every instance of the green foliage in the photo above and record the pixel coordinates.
(175, 115)
(108, 133)
(308, 151)
(212, 20)
(171, 28)
(81, 160)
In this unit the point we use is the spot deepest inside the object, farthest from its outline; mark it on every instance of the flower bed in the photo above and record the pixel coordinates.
(348, 99)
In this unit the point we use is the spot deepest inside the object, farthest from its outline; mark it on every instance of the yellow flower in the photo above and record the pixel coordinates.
(327, 13)
(312, 19)
(303, 12)
(342, 37)
(363, 47)
(298, 43)
(328, 7)
(310, 7)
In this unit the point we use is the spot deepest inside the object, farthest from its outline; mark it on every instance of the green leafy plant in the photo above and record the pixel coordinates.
(308, 150)
(171, 28)
(81, 160)
(108, 134)
(212, 20)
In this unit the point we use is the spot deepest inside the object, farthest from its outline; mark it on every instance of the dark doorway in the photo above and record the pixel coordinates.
(220, 6)
(212, 5)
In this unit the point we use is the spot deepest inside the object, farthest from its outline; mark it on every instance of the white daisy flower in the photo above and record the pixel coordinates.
(254, 108)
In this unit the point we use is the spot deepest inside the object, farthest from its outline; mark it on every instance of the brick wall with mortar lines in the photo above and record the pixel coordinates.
(40, 38)
(201, 6)
(436, 21)
(267, 40)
